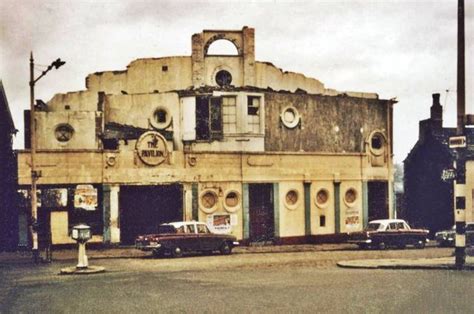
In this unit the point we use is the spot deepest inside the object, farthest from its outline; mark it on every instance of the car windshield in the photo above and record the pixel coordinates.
(166, 229)
(373, 226)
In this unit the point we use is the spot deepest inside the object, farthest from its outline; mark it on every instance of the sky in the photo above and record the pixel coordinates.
(396, 48)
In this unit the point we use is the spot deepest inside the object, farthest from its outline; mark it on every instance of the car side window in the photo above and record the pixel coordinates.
(202, 229)
(180, 229)
(400, 226)
(392, 226)
(191, 229)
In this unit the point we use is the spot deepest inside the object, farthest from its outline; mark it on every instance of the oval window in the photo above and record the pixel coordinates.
(290, 117)
(161, 118)
(232, 201)
(350, 197)
(208, 201)
(291, 199)
(223, 78)
(377, 143)
(322, 198)
(64, 132)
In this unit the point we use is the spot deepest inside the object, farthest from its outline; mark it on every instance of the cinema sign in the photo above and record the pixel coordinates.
(151, 148)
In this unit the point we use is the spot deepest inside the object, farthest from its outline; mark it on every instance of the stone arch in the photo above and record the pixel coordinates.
(235, 39)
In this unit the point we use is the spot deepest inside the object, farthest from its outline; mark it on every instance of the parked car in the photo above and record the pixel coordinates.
(448, 237)
(175, 238)
(385, 233)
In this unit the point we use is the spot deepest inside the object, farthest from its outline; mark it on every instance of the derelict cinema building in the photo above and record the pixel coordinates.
(237, 143)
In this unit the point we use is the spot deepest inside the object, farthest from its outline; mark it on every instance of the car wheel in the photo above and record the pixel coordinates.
(176, 252)
(225, 248)
(382, 246)
(420, 244)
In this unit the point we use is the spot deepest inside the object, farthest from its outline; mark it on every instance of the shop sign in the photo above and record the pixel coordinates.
(85, 197)
(151, 148)
(221, 223)
(448, 175)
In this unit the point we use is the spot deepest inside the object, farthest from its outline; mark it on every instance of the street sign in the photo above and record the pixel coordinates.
(457, 141)
(448, 175)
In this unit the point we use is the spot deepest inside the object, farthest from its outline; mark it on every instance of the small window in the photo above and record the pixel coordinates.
(291, 199)
(223, 78)
(253, 104)
(350, 197)
(290, 117)
(322, 221)
(164, 68)
(64, 133)
(202, 228)
(377, 143)
(191, 229)
(322, 198)
(208, 201)
(160, 116)
(232, 199)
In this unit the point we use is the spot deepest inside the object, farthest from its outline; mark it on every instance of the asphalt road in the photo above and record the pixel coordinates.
(261, 282)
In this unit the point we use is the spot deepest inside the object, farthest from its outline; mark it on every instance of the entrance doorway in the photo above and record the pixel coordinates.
(261, 212)
(378, 200)
(143, 208)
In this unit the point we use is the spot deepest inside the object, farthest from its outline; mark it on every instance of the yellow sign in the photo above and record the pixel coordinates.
(151, 148)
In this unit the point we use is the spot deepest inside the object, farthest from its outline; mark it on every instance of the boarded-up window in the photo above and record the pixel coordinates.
(253, 114)
(229, 114)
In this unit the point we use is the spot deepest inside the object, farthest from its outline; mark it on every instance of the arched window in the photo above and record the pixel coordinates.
(222, 47)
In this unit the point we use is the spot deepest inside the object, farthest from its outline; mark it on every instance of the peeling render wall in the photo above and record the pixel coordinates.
(328, 123)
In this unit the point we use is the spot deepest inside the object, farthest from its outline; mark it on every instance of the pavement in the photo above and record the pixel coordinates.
(447, 262)
(403, 263)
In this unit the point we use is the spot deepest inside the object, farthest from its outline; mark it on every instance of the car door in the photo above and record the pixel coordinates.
(192, 238)
(206, 238)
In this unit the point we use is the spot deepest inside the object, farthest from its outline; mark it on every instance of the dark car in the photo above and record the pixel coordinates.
(385, 233)
(448, 237)
(175, 238)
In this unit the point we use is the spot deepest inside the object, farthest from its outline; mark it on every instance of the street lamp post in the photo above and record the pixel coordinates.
(34, 173)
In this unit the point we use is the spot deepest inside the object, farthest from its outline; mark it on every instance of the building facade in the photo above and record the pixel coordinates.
(428, 194)
(237, 143)
(8, 178)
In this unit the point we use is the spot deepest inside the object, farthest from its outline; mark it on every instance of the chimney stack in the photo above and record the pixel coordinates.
(437, 110)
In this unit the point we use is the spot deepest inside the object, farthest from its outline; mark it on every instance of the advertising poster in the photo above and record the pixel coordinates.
(85, 197)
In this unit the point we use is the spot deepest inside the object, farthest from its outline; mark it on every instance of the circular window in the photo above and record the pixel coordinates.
(290, 117)
(232, 201)
(161, 118)
(208, 201)
(64, 132)
(322, 198)
(291, 199)
(377, 143)
(223, 78)
(350, 197)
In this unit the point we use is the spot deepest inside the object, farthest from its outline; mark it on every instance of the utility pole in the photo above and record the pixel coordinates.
(460, 182)
(34, 173)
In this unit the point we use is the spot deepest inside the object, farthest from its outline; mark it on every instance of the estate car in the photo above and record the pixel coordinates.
(177, 237)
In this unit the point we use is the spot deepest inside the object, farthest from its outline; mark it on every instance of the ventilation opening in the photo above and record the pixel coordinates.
(222, 47)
